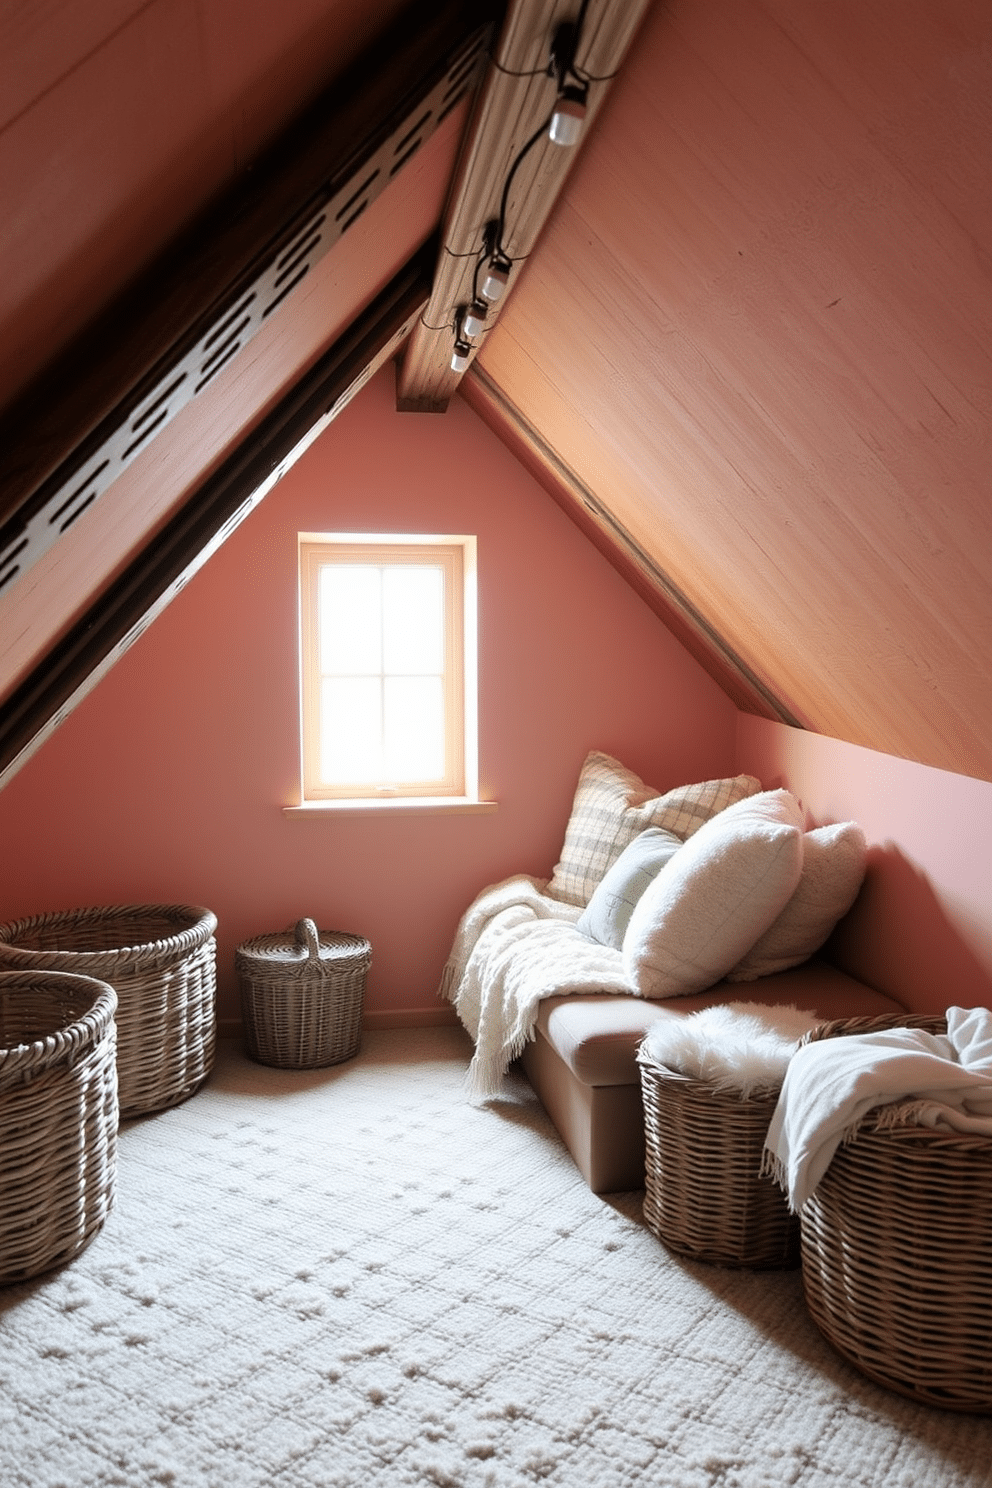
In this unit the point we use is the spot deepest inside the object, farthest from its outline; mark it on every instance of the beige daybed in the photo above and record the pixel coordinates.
(660, 905)
(582, 1067)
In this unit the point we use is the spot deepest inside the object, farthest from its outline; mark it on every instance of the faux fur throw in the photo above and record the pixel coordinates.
(831, 1084)
(739, 1046)
(514, 946)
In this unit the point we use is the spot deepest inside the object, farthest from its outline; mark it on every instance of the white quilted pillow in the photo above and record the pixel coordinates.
(833, 868)
(716, 896)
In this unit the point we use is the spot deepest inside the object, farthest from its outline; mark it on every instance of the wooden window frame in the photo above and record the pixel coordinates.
(456, 554)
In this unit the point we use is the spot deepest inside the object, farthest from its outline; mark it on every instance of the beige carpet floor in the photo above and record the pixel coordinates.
(354, 1277)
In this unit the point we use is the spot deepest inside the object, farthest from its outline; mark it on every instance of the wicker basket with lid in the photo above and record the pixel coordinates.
(302, 991)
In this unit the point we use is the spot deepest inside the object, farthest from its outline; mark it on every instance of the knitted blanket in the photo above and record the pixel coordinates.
(514, 946)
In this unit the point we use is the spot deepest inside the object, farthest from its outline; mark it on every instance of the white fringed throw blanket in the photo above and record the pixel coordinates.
(513, 947)
(942, 1082)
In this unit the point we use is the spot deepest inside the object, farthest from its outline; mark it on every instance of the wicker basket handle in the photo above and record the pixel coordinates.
(306, 934)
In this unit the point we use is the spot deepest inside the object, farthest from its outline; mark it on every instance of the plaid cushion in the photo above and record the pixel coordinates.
(612, 806)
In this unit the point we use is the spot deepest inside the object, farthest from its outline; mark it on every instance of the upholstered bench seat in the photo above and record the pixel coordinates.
(581, 1061)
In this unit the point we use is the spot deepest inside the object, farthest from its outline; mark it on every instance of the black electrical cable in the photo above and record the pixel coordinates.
(501, 221)
(509, 71)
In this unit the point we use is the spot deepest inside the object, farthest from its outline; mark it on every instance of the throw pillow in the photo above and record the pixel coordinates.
(721, 891)
(834, 860)
(612, 805)
(606, 916)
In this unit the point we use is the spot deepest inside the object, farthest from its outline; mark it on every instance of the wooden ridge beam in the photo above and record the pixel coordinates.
(516, 100)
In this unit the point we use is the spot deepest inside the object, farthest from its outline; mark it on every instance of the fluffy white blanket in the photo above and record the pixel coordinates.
(945, 1082)
(514, 946)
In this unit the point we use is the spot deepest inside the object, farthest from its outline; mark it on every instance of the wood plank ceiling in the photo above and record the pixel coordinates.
(758, 327)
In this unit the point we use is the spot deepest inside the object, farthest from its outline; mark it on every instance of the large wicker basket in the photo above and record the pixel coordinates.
(301, 995)
(897, 1253)
(161, 960)
(705, 1195)
(58, 1118)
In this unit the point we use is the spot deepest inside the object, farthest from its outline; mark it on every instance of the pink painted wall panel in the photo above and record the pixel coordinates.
(167, 783)
(921, 928)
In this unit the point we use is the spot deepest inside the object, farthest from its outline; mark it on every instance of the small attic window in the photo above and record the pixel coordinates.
(387, 667)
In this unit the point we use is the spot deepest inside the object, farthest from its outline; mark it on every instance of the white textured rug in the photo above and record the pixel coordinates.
(353, 1277)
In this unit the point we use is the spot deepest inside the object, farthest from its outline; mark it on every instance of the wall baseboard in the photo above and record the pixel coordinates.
(432, 1017)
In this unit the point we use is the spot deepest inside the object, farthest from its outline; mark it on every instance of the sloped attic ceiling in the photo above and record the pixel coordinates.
(750, 351)
(758, 331)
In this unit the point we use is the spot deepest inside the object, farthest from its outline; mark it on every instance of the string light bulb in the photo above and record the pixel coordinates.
(474, 320)
(569, 115)
(495, 279)
(460, 356)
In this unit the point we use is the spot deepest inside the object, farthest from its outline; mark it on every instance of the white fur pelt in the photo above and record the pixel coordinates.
(738, 1046)
(513, 947)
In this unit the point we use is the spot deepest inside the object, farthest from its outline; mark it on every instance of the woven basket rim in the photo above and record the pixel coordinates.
(693, 1085)
(879, 1119)
(202, 923)
(27, 1060)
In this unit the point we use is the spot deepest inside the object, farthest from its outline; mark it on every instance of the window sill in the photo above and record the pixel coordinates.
(394, 806)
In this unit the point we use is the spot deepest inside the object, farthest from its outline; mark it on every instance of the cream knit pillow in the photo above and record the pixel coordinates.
(833, 867)
(720, 891)
(612, 806)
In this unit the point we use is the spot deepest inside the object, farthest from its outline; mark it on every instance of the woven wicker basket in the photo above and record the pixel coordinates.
(301, 995)
(161, 960)
(897, 1253)
(705, 1196)
(58, 1118)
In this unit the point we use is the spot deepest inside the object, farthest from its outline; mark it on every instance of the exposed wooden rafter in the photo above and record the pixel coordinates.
(116, 619)
(498, 200)
(74, 432)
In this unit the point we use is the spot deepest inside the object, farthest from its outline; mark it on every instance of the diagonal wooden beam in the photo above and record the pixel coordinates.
(76, 429)
(116, 619)
(496, 184)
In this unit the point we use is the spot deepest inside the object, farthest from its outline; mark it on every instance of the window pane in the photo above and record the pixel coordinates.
(413, 619)
(351, 730)
(414, 729)
(350, 602)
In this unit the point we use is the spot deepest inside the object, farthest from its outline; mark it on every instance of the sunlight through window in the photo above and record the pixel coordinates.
(387, 632)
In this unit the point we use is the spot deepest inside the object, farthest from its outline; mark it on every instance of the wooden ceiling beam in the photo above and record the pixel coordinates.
(117, 617)
(73, 432)
(496, 184)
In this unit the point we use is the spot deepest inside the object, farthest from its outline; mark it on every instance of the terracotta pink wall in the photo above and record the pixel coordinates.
(167, 783)
(921, 928)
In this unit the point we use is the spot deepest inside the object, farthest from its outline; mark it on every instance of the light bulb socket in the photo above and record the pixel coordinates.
(495, 280)
(460, 356)
(569, 115)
